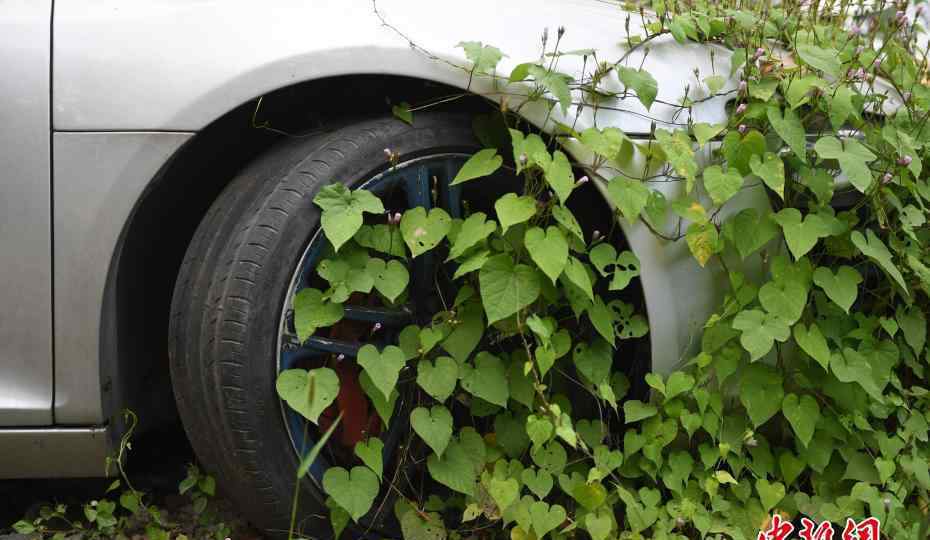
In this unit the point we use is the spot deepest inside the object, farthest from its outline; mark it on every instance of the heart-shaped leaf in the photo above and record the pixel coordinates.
(789, 128)
(546, 518)
(392, 281)
(513, 209)
(551, 457)
(474, 229)
(640, 81)
(342, 211)
(371, 454)
(761, 392)
(801, 236)
(770, 493)
(312, 312)
(548, 249)
(433, 425)
(458, 467)
(354, 491)
(506, 288)
(872, 247)
(803, 414)
(629, 195)
(812, 342)
(760, 330)
(720, 185)
(438, 377)
(785, 298)
(590, 495)
(749, 231)
(487, 379)
(598, 524)
(384, 407)
(539, 429)
(504, 491)
(842, 287)
(383, 367)
(466, 334)
(771, 169)
(539, 481)
(481, 164)
(414, 527)
(308, 392)
(791, 466)
(559, 176)
(421, 231)
(679, 150)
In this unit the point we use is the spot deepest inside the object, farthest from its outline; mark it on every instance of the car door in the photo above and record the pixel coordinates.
(25, 214)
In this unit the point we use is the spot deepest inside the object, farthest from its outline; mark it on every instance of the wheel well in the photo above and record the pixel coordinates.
(134, 324)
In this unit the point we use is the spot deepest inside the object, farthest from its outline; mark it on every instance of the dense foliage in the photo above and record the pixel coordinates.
(809, 391)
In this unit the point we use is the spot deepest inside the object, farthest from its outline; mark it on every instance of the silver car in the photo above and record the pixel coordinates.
(158, 161)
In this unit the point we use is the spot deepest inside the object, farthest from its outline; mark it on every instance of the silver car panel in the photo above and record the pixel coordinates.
(98, 178)
(25, 215)
(54, 452)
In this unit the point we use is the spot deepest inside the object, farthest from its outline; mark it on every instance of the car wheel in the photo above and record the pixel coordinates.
(232, 329)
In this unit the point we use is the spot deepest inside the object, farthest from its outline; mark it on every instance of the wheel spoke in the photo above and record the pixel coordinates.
(333, 346)
(450, 196)
(418, 191)
(386, 316)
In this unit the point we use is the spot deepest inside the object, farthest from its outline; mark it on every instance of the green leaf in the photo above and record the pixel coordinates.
(641, 82)
(506, 288)
(308, 392)
(738, 149)
(402, 112)
(312, 312)
(457, 469)
(421, 231)
(504, 491)
(771, 169)
(680, 153)
(555, 83)
(842, 287)
(342, 211)
(559, 176)
(433, 425)
(512, 209)
(383, 367)
(704, 132)
(715, 83)
(803, 414)
(720, 185)
(913, 325)
(483, 57)
(841, 106)
(826, 60)
(415, 527)
(384, 238)
(589, 495)
(548, 249)
(577, 274)
(466, 334)
(678, 383)
(474, 229)
(629, 195)
(567, 220)
(24, 527)
(438, 378)
(760, 330)
(801, 236)
(872, 247)
(393, 280)
(354, 491)
(603, 320)
(761, 392)
(635, 410)
(479, 165)
(607, 142)
(472, 264)
(785, 298)
(546, 518)
(371, 453)
(811, 341)
(852, 156)
(703, 241)
(770, 493)
(538, 481)
(487, 379)
(749, 231)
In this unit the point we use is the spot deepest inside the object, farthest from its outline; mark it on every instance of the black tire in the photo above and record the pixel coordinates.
(228, 299)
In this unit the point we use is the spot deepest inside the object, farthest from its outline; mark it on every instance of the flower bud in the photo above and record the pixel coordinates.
(743, 128)
(905, 160)
(859, 50)
(341, 357)
(523, 158)
(901, 17)
(376, 327)
(906, 96)
(886, 502)
(595, 236)
(743, 86)
(752, 442)
(561, 31)
(741, 108)
(886, 178)
(581, 181)
(388, 153)
(758, 54)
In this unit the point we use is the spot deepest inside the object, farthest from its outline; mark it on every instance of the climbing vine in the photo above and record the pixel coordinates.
(806, 393)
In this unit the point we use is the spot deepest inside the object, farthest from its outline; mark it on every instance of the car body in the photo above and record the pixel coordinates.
(114, 111)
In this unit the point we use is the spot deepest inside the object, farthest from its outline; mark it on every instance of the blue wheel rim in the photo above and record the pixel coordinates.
(426, 184)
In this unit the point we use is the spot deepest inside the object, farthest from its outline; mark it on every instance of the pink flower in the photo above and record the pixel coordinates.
(741, 108)
(743, 128)
(905, 160)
